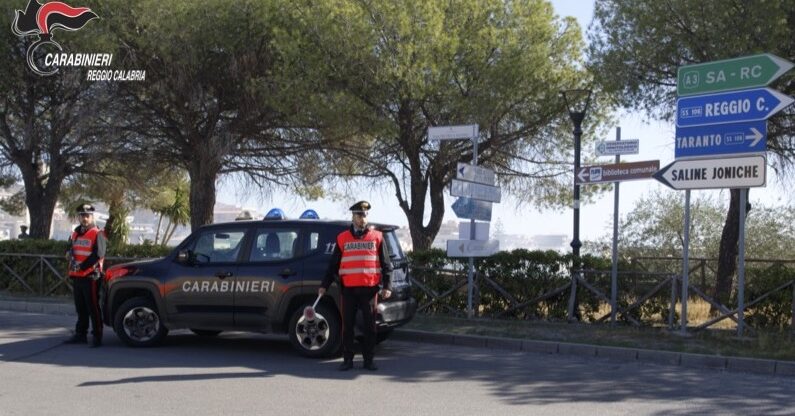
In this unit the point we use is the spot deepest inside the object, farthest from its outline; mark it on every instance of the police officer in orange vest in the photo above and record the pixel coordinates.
(364, 269)
(86, 255)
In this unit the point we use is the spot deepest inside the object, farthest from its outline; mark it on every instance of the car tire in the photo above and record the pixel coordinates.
(206, 332)
(138, 323)
(321, 339)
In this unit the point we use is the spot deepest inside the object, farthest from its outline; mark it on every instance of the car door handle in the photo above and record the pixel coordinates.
(223, 275)
(287, 273)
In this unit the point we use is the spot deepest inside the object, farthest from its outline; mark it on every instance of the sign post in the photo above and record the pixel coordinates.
(475, 186)
(722, 110)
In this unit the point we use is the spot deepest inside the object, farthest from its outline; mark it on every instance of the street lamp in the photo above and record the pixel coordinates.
(577, 102)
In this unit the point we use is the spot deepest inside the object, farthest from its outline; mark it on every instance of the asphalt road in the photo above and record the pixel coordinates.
(239, 373)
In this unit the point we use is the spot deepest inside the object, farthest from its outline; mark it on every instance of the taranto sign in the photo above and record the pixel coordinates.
(617, 172)
(721, 139)
(729, 172)
(730, 74)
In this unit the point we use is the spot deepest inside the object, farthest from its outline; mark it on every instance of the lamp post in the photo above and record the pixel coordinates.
(577, 102)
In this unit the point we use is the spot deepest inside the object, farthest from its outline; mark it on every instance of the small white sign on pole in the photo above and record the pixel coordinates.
(481, 230)
(472, 248)
(468, 131)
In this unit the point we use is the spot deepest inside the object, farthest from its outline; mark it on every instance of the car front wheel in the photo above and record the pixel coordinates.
(320, 337)
(137, 323)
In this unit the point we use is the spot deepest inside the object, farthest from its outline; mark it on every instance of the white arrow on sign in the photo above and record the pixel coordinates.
(474, 173)
(756, 136)
(584, 174)
(729, 172)
(472, 248)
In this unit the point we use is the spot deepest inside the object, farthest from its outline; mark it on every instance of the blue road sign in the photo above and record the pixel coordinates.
(721, 139)
(472, 209)
(730, 107)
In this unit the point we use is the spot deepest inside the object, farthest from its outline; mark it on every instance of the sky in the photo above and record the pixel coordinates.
(656, 142)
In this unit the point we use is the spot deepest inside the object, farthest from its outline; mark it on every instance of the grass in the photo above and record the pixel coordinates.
(721, 340)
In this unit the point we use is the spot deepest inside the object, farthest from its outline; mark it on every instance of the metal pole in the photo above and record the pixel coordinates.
(575, 242)
(741, 265)
(471, 273)
(792, 324)
(672, 308)
(685, 261)
(614, 274)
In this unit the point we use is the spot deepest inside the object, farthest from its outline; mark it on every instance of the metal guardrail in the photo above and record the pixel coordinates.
(645, 286)
(43, 274)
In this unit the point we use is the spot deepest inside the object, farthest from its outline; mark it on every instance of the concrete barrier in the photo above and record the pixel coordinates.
(584, 350)
(659, 357)
(547, 347)
(701, 360)
(751, 365)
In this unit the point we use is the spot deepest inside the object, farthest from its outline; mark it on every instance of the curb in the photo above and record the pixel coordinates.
(671, 358)
(624, 355)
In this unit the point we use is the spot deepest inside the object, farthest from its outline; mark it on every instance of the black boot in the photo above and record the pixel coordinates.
(370, 365)
(345, 366)
(77, 339)
(96, 342)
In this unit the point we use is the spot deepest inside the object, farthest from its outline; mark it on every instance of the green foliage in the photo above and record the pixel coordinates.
(59, 248)
(776, 310)
(14, 204)
(409, 65)
(522, 273)
(40, 278)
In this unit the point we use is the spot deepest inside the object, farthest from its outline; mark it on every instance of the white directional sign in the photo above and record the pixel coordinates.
(729, 172)
(481, 231)
(475, 191)
(468, 131)
(474, 173)
(472, 248)
(617, 147)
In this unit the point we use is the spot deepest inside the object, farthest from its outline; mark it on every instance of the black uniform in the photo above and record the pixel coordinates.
(358, 299)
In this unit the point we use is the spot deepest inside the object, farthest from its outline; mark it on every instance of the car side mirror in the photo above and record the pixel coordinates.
(183, 256)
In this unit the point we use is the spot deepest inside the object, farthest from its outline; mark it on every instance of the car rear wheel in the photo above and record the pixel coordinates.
(320, 337)
(205, 332)
(137, 323)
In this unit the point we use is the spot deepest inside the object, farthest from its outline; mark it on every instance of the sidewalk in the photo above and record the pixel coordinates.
(63, 306)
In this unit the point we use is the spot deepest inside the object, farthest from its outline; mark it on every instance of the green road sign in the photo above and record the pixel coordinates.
(730, 74)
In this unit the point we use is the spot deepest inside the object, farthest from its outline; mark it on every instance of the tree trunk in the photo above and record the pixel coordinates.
(727, 257)
(157, 232)
(41, 196)
(202, 194)
(115, 228)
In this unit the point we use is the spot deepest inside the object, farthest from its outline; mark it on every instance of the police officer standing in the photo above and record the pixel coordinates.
(23, 235)
(364, 269)
(86, 255)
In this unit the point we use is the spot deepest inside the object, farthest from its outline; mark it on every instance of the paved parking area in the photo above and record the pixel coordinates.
(240, 373)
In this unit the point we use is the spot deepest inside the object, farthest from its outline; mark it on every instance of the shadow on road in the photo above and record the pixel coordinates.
(512, 377)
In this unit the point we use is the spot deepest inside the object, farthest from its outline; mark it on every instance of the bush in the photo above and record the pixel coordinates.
(40, 277)
(775, 311)
(526, 275)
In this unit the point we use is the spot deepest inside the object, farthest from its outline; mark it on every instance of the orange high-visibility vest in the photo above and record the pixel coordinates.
(81, 250)
(359, 265)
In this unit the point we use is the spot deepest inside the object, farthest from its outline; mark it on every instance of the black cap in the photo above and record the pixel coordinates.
(361, 206)
(85, 209)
